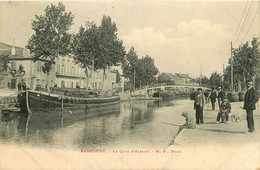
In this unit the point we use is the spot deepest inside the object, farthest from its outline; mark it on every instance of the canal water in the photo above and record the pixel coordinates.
(135, 124)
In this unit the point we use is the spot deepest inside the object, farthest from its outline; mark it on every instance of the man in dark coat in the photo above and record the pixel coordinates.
(251, 98)
(24, 86)
(19, 86)
(199, 104)
(220, 97)
(206, 94)
(213, 97)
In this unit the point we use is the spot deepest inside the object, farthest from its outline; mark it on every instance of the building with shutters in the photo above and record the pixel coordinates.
(65, 73)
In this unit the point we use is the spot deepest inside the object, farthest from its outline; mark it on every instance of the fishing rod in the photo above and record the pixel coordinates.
(170, 124)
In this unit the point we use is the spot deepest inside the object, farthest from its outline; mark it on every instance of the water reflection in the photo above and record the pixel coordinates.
(129, 123)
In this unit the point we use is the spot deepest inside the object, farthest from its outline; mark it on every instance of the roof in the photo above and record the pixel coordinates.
(183, 75)
(6, 49)
(178, 76)
(170, 75)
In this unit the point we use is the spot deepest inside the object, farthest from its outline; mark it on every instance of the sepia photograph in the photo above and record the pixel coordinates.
(113, 84)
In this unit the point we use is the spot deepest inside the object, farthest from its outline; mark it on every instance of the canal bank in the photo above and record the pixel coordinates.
(220, 146)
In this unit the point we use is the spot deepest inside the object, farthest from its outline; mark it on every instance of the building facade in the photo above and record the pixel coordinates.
(96, 79)
(65, 73)
(68, 74)
(21, 61)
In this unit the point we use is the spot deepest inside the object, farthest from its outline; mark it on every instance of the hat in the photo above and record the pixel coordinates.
(219, 87)
(184, 114)
(249, 80)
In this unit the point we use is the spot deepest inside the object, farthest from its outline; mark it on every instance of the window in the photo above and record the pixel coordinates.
(13, 66)
(39, 66)
(63, 69)
(62, 84)
(58, 68)
(72, 70)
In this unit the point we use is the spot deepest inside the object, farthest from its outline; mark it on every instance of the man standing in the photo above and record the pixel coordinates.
(24, 86)
(251, 97)
(212, 97)
(19, 87)
(220, 97)
(199, 104)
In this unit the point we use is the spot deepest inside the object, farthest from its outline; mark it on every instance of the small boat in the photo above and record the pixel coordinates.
(10, 113)
(35, 100)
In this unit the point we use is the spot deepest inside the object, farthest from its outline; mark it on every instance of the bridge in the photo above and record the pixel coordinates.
(169, 89)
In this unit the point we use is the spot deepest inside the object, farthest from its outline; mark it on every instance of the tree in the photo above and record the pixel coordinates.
(100, 47)
(146, 70)
(164, 78)
(130, 65)
(246, 60)
(215, 80)
(51, 38)
(85, 47)
(205, 81)
(111, 48)
(4, 61)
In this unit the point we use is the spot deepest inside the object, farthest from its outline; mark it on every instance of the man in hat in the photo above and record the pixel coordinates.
(220, 96)
(212, 98)
(251, 98)
(199, 104)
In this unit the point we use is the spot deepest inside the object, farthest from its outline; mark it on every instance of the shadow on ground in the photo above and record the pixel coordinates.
(224, 131)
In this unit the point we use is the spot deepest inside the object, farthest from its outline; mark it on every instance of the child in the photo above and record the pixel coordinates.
(190, 123)
(225, 109)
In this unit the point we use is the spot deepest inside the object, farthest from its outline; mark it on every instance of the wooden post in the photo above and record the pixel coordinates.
(134, 80)
(61, 103)
(49, 100)
(232, 81)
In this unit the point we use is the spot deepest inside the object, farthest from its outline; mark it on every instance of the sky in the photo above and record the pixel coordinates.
(181, 36)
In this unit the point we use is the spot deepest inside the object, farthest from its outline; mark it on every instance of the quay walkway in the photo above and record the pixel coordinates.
(220, 146)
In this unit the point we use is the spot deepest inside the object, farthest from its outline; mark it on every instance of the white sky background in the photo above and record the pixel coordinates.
(178, 35)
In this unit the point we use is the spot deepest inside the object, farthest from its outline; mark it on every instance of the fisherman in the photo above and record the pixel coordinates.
(190, 122)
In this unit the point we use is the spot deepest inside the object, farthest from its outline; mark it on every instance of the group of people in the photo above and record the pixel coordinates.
(21, 86)
(250, 99)
(215, 95)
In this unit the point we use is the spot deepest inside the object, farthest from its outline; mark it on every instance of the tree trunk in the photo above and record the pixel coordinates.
(253, 79)
(103, 80)
(47, 83)
(244, 81)
(87, 79)
(239, 86)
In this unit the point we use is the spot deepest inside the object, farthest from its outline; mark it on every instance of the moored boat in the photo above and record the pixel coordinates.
(36, 100)
(9, 114)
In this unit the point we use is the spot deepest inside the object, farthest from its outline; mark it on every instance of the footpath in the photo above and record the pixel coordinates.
(220, 146)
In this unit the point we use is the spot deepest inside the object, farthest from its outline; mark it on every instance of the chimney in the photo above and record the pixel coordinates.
(13, 50)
